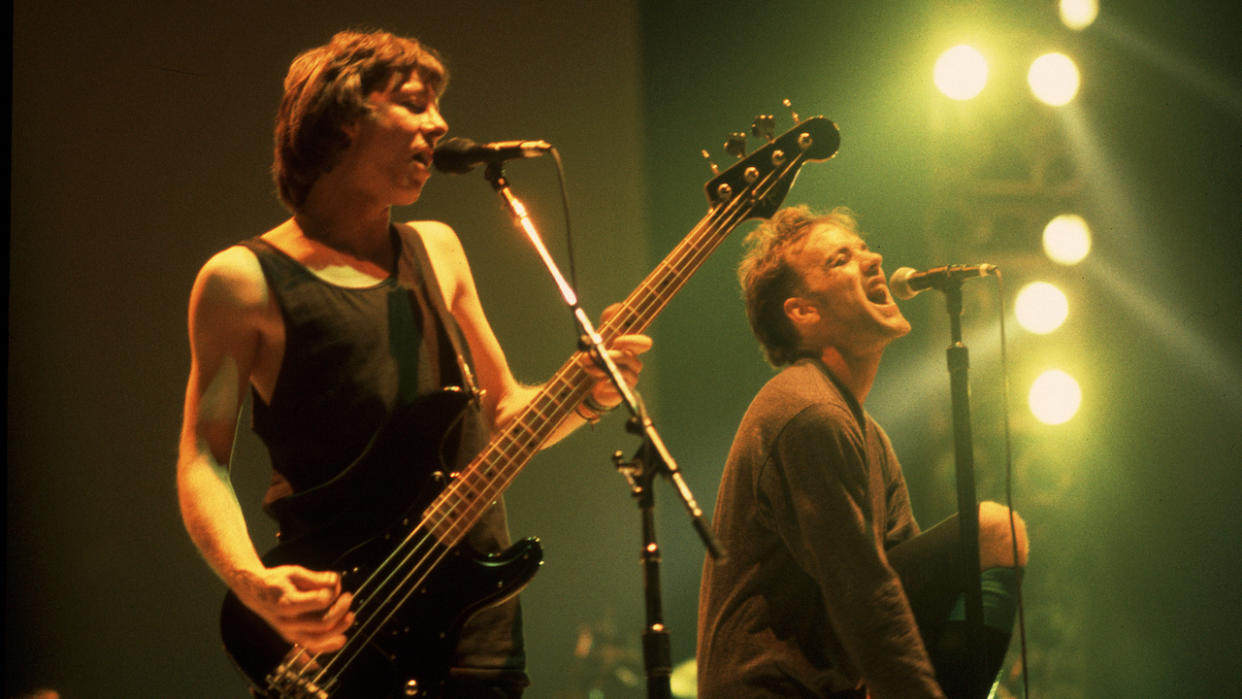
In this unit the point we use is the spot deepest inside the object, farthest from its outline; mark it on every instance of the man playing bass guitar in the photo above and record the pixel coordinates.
(335, 320)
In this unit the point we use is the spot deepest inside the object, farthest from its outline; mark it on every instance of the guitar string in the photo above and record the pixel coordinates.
(654, 300)
(447, 507)
(474, 500)
(439, 507)
(536, 438)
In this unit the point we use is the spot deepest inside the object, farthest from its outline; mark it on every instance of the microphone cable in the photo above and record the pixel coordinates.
(569, 235)
(1013, 533)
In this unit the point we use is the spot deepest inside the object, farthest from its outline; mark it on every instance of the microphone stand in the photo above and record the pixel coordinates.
(958, 358)
(640, 474)
(656, 655)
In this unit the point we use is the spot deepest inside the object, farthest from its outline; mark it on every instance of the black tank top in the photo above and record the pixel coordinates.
(354, 356)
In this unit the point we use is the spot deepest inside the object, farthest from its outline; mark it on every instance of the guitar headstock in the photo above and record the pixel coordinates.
(758, 183)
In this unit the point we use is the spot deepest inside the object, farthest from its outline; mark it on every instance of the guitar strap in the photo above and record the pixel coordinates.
(452, 442)
(452, 343)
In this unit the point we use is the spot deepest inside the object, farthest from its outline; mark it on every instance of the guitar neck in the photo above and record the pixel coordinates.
(461, 504)
(744, 193)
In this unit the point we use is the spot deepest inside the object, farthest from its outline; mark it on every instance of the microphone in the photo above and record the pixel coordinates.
(906, 282)
(458, 155)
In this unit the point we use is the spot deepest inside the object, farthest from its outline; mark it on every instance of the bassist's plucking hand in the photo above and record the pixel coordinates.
(305, 607)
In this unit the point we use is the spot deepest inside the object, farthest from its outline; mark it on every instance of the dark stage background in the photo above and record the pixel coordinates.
(141, 142)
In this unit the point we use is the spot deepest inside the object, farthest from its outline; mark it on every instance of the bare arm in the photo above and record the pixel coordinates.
(505, 396)
(227, 307)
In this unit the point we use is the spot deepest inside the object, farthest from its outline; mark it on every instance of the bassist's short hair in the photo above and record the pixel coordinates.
(326, 89)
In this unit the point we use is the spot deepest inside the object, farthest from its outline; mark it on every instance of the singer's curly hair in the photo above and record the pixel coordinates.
(768, 277)
(326, 89)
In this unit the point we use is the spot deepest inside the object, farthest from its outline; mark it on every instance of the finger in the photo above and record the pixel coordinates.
(316, 627)
(609, 312)
(311, 631)
(297, 602)
(319, 644)
(622, 359)
(306, 579)
(636, 344)
(627, 361)
(338, 615)
(605, 392)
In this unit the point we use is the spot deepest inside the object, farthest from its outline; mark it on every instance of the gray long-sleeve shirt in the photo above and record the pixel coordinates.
(806, 603)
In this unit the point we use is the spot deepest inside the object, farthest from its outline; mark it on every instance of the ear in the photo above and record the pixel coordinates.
(801, 311)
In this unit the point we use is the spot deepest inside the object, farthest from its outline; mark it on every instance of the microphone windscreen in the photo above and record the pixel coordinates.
(454, 156)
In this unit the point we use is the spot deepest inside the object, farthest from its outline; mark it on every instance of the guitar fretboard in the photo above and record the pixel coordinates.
(460, 505)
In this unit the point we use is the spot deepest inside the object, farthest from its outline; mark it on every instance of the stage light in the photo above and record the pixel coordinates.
(1055, 397)
(961, 72)
(1067, 239)
(1053, 78)
(1079, 14)
(1041, 307)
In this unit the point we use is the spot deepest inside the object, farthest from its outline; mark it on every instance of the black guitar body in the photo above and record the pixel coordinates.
(351, 525)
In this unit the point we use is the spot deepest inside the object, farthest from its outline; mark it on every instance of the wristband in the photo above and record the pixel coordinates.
(596, 407)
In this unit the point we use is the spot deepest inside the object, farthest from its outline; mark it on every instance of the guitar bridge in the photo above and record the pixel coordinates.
(291, 683)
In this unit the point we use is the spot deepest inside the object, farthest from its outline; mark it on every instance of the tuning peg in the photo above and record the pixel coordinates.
(789, 106)
(708, 157)
(764, 126)
(735, 144)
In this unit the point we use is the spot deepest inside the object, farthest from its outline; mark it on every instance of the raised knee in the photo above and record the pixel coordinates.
(997, 535)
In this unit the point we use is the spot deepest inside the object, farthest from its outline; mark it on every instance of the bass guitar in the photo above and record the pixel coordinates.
(402, 553)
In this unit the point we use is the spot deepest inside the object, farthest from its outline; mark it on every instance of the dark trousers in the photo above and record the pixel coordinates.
(930, 568)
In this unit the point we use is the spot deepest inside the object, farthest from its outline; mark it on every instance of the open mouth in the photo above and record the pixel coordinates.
(878, 294)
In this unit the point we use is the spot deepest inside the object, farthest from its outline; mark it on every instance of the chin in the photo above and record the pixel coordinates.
(407, 197)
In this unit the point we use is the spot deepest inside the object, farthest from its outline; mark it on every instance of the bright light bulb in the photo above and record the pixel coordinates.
(1053, 78)
(1067, 239)
(961, 72)
(1055, 397)
(1079, 14)
(1041, 307)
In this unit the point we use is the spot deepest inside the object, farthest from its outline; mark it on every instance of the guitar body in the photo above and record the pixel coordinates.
(351, 525)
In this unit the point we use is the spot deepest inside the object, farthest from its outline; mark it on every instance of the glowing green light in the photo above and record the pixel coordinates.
(1055, 397)
(961, 72)
(1041, 307)
(1079, 14)
(1054, 79)
(1067, 239)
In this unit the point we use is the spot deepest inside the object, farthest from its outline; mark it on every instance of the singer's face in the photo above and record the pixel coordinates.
(392, 146)
(846, 293)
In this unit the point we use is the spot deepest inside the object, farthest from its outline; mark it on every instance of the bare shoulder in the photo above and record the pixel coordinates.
(439, 238)
(446, 254)
(232, 278)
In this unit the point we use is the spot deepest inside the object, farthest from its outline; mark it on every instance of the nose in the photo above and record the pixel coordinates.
(873, 262)
(435, 126)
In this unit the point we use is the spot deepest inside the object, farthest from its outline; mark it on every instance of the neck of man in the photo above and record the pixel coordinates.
(360, 231)
(856, 370)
